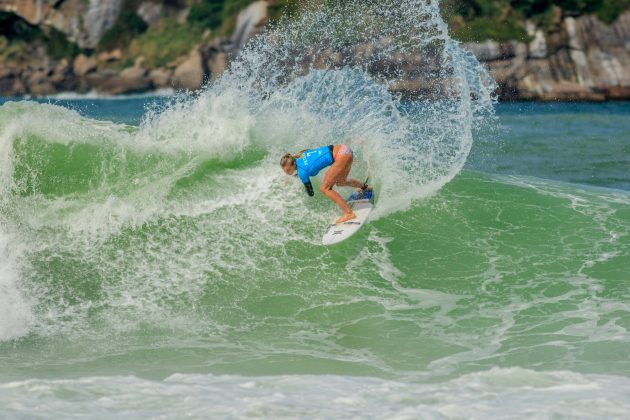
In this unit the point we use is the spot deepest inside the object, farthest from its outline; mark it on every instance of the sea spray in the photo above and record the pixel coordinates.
(15, 308)
(328, 76)
(182, 220)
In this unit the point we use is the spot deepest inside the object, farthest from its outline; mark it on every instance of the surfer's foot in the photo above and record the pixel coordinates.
(346, 217)
(362, 191)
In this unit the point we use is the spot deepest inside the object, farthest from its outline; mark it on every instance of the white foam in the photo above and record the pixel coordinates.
(255, 112)
(493, 394)
(15, 309)
(91, 95)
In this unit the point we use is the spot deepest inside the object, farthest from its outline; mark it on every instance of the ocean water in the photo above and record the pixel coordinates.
(155, 261)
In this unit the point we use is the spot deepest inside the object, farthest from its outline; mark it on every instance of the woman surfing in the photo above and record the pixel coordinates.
(310, 162)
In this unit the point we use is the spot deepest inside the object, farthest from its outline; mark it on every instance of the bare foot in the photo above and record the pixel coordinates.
(346, 217)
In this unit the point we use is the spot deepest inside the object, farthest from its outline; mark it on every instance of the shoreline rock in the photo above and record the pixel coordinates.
(190, 74)
(579, 59)
(582, 59)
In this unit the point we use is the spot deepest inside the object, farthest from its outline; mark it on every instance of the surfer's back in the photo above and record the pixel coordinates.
(313, 161)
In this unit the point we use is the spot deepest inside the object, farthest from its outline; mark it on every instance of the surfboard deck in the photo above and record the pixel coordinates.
(362, 204)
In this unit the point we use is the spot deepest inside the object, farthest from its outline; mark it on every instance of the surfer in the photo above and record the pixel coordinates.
(309, 162)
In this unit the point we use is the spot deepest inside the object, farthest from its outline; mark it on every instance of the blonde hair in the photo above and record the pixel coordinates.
(289, 158)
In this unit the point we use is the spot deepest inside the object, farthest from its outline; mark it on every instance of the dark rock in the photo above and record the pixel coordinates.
(84, 65)
(160, 78)
(216, 64)
(42, 89)
(110, 56)
(150, 12)
(249, 22)
(11, 85)
(190, 74)
(39, 83)
(491, 50)
(582, 59)
(130, 80)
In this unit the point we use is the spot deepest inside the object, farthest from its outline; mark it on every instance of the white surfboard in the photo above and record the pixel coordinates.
(362, 204)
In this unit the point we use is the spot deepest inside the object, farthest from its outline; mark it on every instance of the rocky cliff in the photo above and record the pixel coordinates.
(579, 59)
(82, 21)
(575, 58)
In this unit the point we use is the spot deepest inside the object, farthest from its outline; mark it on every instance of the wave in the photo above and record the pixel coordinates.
(491, 270)
(98, 206)
(497, 393)
(182, 235)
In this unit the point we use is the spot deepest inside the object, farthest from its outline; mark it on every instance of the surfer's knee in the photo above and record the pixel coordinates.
(325, 187)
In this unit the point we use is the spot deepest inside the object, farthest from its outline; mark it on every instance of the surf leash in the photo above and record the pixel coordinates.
(369, 169)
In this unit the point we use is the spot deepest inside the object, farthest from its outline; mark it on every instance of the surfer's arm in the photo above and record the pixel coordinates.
(309, 188)
(306, 180)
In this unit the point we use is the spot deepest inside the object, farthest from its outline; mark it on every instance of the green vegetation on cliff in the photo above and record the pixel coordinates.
(607, 10)
(470, 20)
(207, 14)
(127, 27)
(502, 20)
(214, 13)
(13, 28)
(171, 37)
(59, 47)
(611, 9)
(18, 38)
(483, 28)
(165, 42)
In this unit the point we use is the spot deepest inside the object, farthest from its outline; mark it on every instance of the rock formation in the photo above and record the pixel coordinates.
(575, 59)
(582, 59)
(189, 75)
(249, 22)
(83, 21)
(84, 65)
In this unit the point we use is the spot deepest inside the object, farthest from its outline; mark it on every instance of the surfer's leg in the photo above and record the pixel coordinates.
(343, 181)
(345, 157)
(337, 169)
(342, 178)
(338, 200)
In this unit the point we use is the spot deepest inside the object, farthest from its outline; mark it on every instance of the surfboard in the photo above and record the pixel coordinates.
(362, 204)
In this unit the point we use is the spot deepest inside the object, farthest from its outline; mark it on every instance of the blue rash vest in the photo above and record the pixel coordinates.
(313, 161)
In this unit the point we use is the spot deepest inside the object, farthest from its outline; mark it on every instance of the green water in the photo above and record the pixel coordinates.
(156, 262)
(121, 260)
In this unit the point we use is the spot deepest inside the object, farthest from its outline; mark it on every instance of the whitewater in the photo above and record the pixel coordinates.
(156, 262)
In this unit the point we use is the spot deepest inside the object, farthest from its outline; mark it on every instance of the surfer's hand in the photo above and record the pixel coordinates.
(309, 188)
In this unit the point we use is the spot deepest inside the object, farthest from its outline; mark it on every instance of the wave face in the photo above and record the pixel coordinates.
(107, 221)
(177, 248)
